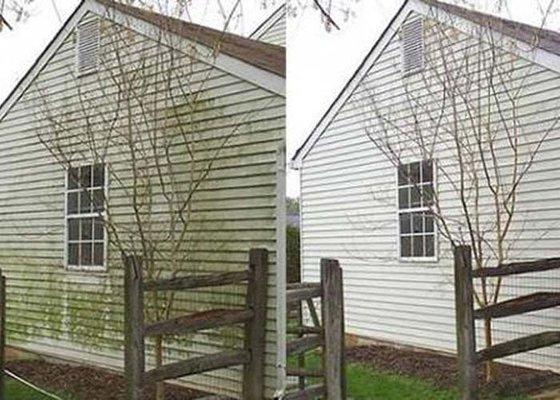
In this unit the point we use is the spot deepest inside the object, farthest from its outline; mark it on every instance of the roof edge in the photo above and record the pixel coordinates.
(302, 151)
(542, 56)
(268, 22)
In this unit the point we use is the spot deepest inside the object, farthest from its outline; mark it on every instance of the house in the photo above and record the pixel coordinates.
(273, 29)
(420, 150)
(137, 132)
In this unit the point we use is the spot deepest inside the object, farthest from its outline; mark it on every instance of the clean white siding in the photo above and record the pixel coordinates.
(79, 316)
(349, 212)
(273, 31)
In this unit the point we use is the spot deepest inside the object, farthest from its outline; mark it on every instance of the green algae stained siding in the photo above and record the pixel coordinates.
(78, 315)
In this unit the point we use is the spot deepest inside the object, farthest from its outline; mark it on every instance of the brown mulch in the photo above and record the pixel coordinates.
(442, 370)
(86, 383)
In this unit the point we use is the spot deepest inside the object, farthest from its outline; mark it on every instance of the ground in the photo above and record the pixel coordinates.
(373, 372)
(78, 383)
(382, 372)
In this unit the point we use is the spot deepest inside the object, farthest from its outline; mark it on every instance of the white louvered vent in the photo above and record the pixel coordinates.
(87, 47)
(412, 47)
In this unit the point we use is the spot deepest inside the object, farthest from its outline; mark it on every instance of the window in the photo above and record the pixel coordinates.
(85, 202)
(412, 47)
(87, 47)
(416, 221)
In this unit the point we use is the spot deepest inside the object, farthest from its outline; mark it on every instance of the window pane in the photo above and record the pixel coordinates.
(98, 200)
(73, 229)
(415, 172)
(85, 253)
(417, 222)
(403, 175)
(72, 207)
(98, 175)
(73, 177)
(405, 223)
(73, 254)
(85, 176)
(403, 198)
(427, 171)
(428, 223)
(405, 246)
(417, 246)
(429, 241)
(414, 197)
(85, 202)
(98, 230)
(86, 231)
(427, 195)
(98, 254)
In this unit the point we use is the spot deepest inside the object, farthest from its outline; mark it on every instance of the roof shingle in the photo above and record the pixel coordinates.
(538, 37)
(266, 56)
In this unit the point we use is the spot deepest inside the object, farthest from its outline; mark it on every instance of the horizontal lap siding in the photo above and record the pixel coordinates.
(348, 192)
(79, 315)
(276, 33)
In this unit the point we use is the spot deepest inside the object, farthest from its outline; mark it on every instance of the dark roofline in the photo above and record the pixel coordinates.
(548, 40)
(270, 17)
(331, 107)
(538, 37)
(30, 69)
(262, 55)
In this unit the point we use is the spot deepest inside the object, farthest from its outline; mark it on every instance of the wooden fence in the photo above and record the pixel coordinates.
(253, 316)
(327, 333)
(468, 356)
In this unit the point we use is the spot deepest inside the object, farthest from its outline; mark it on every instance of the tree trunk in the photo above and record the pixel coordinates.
(488, 365)
(160, 389)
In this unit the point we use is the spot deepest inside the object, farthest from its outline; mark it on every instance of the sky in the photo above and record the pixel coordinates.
(319, 62)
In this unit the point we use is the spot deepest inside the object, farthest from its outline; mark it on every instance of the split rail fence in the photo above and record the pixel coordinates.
(466, 314)
(253, 316)
(327, 333)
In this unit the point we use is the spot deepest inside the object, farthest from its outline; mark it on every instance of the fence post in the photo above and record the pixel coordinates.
(332, 309)
(465, 328)
(253, 372)
(134, 363)
(2, 335)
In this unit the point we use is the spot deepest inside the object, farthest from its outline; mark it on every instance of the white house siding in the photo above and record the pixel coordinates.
(349, 212)
(275, 31)
(79, 315)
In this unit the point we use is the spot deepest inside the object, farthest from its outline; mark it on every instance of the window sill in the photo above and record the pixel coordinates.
(416, 260)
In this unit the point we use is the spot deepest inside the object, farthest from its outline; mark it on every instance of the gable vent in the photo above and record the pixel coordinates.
(87, 47)
(412, 47)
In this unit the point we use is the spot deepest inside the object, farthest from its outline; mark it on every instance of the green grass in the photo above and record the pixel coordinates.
(17, 391)
(364, 383)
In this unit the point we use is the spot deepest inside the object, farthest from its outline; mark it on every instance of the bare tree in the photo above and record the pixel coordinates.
(144, 118)
(466, 113)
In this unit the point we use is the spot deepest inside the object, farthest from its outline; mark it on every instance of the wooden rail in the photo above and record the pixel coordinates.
(519, 305)
(518, 268)
(520, 345)
(468, 357)
(327, 333)
(253, 316)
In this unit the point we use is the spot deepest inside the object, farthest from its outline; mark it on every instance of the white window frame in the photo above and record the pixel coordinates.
(416, 259)
(95, 68)
(103, 215)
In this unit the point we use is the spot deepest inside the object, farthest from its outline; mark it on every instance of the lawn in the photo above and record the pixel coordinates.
(364, 383)
(17, 391)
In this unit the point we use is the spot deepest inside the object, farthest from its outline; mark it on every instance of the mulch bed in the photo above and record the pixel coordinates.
(442, 370)
(86, 383)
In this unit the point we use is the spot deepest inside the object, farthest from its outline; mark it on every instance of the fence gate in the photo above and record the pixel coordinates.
(327, 333)
(253, 316)
(468, 356)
